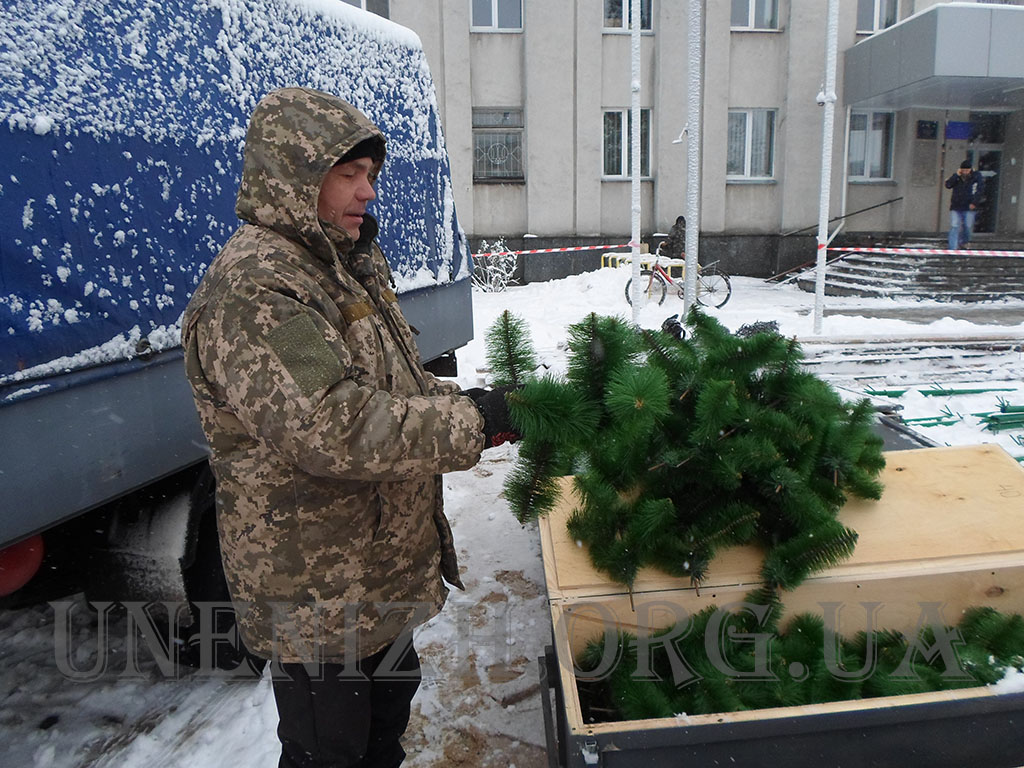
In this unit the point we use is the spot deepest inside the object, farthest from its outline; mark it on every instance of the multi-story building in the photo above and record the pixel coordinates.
(535, 99)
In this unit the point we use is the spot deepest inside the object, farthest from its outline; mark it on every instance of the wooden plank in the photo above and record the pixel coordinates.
(566, 670)
(958, 508)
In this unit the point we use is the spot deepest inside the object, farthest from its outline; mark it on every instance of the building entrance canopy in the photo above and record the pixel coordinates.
(956, 55)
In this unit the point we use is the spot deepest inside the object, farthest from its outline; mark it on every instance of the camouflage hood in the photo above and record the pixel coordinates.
(295, 135)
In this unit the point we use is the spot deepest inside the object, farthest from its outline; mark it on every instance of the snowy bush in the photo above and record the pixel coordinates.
(494, 267)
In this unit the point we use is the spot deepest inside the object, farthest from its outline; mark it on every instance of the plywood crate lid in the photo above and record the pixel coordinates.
(960, 507)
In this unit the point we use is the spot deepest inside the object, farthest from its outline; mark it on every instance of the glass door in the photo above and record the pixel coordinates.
(986, 162)
(988, 132)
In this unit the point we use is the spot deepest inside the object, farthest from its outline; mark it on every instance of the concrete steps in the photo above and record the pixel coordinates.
(959, 277)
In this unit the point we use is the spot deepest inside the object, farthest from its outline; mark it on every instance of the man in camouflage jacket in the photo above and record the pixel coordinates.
(327, 436)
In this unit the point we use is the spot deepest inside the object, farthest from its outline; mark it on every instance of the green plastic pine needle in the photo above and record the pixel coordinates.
(745, 357)
(510, 354)
(675, 357)
(597, 346)
(614, 556)
(551, 410)
(717, 406)
(637, 397)
(788, 564)
(530, 488)
(640, 702)
(863, 484)
(651, 521)
(1000, 634)
(732, 523)
(688, 681)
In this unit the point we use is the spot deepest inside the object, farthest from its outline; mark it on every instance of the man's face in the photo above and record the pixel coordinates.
(344, 194)
(964, 171)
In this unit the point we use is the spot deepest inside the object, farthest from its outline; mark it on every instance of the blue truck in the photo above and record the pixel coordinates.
(122, 125)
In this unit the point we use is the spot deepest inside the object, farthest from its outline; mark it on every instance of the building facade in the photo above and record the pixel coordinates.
(535, 98)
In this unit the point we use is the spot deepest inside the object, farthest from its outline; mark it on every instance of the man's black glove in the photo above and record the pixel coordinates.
(492, 406)
(368, 231)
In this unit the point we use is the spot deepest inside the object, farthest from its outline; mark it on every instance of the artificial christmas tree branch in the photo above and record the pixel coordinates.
(510, 354)
(867, 665)
(682, 446)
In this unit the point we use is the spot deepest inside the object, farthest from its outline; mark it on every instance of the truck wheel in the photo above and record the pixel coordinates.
(209, 600)
(19, 563)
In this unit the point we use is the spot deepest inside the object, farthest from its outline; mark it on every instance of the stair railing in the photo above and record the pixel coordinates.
(800, 267)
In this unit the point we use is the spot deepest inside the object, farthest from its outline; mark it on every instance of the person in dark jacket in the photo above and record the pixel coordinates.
(673, 246)
(968, 186)
(327, 436)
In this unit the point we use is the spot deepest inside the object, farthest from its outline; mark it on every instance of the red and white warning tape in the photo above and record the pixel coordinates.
(927, 251)
(908, 251)
(554, 250)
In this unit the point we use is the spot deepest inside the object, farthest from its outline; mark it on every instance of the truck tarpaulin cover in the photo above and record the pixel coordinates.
(122, 125)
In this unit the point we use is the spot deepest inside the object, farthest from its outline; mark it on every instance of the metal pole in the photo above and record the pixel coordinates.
(693, 100)
(634, 149)
(828, 98)
(844, 190)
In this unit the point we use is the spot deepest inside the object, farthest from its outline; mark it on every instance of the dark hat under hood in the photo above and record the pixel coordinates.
(295, 136)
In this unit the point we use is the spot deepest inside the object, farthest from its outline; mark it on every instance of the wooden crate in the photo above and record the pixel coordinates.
(948, 531)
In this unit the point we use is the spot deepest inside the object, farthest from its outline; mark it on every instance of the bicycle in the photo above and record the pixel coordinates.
(713, 286)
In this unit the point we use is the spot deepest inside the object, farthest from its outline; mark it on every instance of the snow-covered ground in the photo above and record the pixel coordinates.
(479, 704)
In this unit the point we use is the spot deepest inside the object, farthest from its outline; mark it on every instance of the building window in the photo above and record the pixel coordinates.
(871, 145)
(751, 150)
(755, 14)
(618, 14)
(876, 15)
(498, 145)
(618, 124)
(497, 16)
(380, 7)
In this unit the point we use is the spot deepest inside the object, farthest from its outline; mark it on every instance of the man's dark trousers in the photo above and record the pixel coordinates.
(327, 721)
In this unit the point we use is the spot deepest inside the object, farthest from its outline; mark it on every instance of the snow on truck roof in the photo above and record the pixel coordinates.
(123, 123)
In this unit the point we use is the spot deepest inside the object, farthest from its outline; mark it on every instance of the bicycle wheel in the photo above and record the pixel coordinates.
(654, 287)
(713, 288)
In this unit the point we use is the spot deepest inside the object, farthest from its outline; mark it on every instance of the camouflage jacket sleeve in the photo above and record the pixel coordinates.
(442, 386)
(287, 374)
